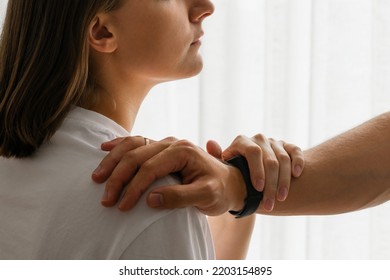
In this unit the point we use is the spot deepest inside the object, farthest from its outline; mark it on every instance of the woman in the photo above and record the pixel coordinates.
(73, 74)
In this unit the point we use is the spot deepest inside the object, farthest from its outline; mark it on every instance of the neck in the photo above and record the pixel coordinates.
(119, 89)
(119, 103)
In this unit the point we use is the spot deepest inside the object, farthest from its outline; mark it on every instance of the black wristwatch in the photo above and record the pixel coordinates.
(254, 197)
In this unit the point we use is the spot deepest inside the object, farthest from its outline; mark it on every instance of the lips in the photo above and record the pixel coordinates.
(197, 40)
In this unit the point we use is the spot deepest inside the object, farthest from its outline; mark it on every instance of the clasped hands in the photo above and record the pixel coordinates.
(208, 183)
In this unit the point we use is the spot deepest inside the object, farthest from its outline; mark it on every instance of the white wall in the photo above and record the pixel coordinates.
(3, 5)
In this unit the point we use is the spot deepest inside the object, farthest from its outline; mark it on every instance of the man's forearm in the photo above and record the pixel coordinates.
(347, 173)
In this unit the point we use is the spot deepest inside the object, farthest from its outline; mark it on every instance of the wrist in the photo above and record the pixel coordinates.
(236, 189)
(253, 197)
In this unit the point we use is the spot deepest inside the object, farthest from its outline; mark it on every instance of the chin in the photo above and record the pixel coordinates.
(184, 73)
(194, 70)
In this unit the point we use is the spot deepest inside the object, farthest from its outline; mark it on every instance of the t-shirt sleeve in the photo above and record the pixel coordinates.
(181, 235)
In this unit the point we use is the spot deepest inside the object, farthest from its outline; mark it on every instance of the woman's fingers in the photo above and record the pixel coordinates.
(199, 194)
(170, 160)
(120, 165)
(118, 148)
(204, 181)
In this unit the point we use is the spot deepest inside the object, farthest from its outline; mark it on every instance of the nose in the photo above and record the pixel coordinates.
(201, 10)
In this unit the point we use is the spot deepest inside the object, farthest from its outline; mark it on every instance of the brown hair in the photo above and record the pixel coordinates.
(44, 56)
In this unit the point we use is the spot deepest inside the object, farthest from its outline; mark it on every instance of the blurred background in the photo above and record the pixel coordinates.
(298, 70)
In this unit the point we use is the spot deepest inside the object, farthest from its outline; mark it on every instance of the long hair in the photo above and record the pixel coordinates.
(44, 57)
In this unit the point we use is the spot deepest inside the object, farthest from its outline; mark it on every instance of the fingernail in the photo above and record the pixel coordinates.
(98, 170)
(259, 185)
(105, 196)
(298, 170)
(122, 206)
(269, 205)
(155, 200)
(283, 193)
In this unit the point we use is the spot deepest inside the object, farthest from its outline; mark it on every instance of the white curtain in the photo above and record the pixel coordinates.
(298, 70)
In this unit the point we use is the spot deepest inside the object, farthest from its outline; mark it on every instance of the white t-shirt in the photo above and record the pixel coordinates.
(50, 208)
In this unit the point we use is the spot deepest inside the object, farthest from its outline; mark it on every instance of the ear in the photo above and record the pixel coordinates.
(100, 37)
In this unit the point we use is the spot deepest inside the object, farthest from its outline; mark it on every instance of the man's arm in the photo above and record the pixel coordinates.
(347, 173)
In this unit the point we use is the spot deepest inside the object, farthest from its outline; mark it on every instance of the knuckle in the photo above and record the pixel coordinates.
(111, 157)
(208, 188)
(129, 141)
(297, 150)
(211, 188)
(185, 145)
(129, 157)
(284, 159)
(239, 138)
(271, 163)
(170, 139)
(213, 195)
(147, 167)
(259, 138)
(183, 149)
(293, 149)
(130, 160)
(254, 150)
(215, 190)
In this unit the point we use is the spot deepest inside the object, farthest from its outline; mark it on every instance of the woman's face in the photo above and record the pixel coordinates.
(159, 39)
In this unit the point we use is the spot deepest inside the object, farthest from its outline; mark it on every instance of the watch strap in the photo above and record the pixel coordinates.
(254, 197)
